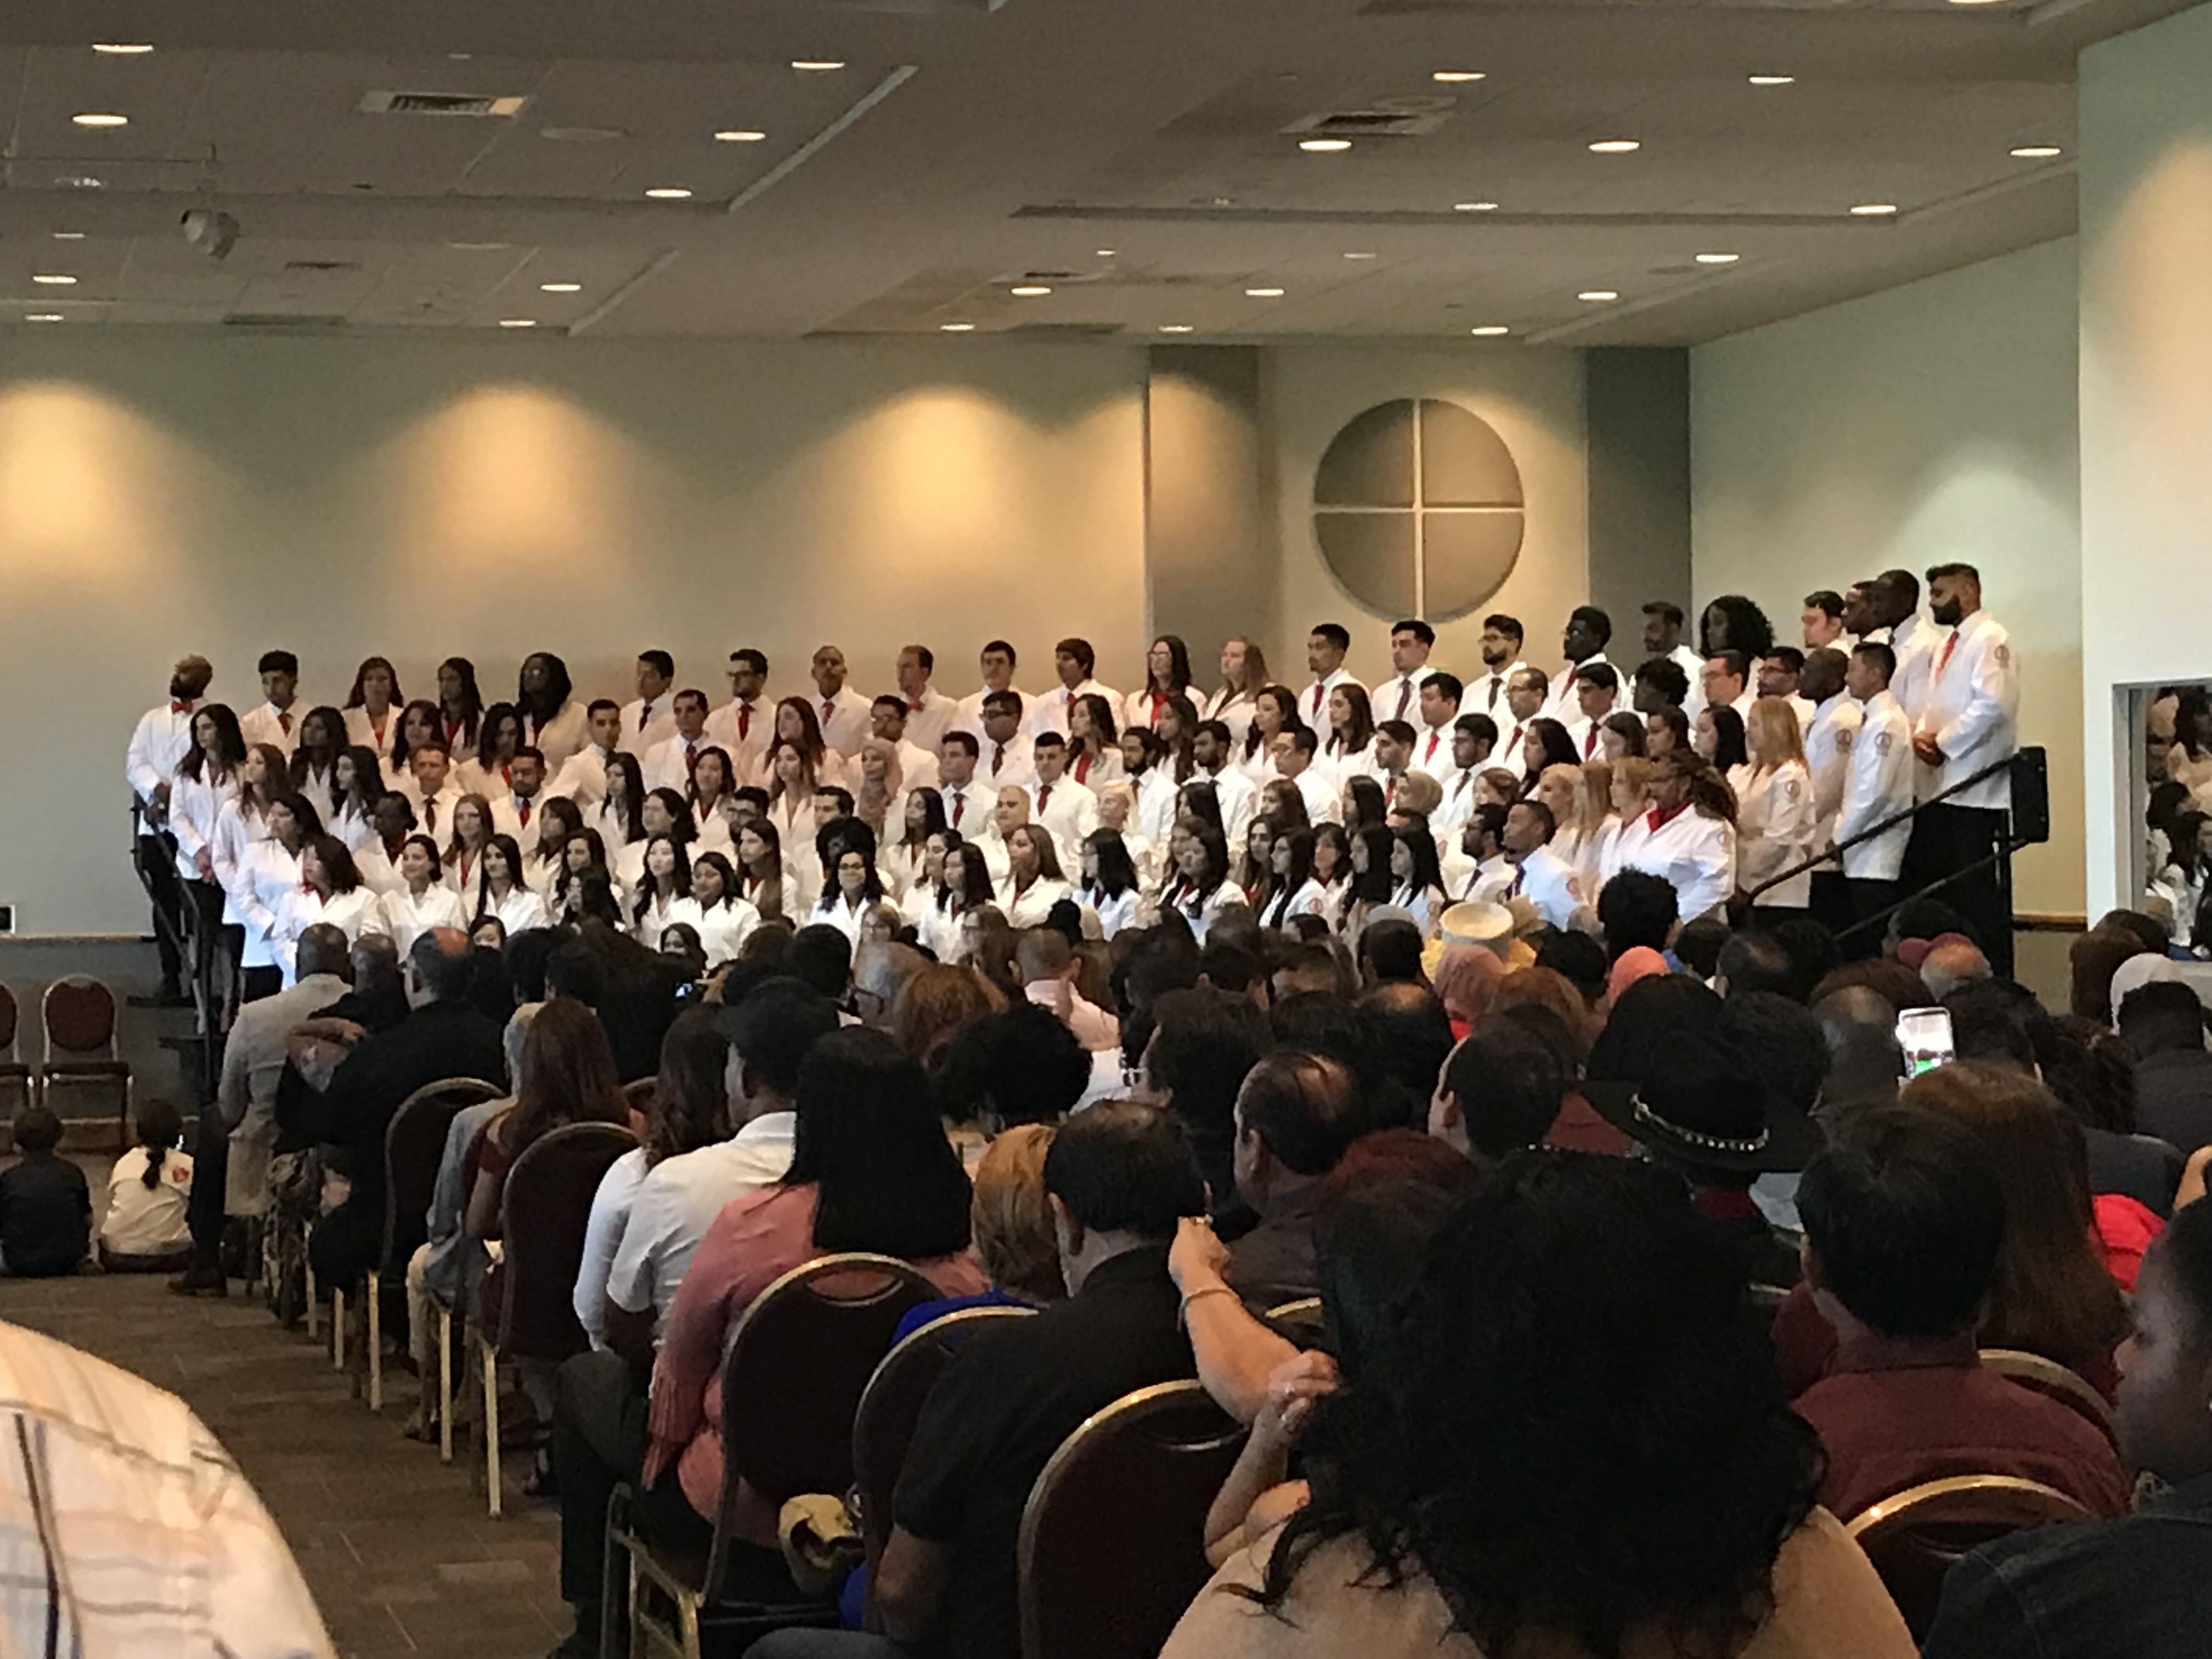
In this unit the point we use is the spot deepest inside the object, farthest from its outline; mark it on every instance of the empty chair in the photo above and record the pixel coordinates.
(890, 1406)
(78, 1015)
(542, 1210)
(799, 1362)
(1913, 1538)
(1112, 1537)
(15, 1075)
(2054, 1381)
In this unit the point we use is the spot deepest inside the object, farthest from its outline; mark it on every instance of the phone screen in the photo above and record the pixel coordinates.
(1925, 1034)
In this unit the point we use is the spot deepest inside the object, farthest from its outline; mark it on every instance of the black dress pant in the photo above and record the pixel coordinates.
(157, 869)
(598, 1444)
(203, 1206)
(1947, 839)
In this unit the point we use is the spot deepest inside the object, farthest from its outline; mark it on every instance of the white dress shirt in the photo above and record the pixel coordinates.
(235, 832)
(1324, 801)
(1399, 697)
(583, 779)
(1693, 669)
(1138, 708)
(1458, 785)
(1972, 706)
(928, 719)
(843, 719)
(646, 723)
(1157, 795)
(406, 918)
(1552, 884)
(159, 744)
(1561, 702)
(667, 765)
(1048, 713)
(968, 712)
(1066, 808)
(1237, 797)
(1114, 911)
(266, 875)
(319, 790)
(352, 914)
(1093, 1026)
(1343, 765)
(968, 808)
(1486, 693)
(365, 734)
(195, 804)
(1234, 709)
(560, 738)
(1911, 641)
(724, 927)
(1009, 764)
(434, 816)
(918, 766)
(1492, 880)
(1027, 907)
(837, 911)
(520, 911)
(1432, 751)
(266, 723)
(678, 1201)
(379, 872)
(1310, 900)
(757, 718)
(1200, 915)
(511, 815)
(1877, 785)
(1313, 701)
(1774, 822)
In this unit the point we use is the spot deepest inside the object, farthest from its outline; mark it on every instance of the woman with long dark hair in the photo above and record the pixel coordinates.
(967, 886)
(1254, 871)
(1417, 879)
(1175, 725)
(330, 894)
(1167, 674)
(314, 763)
(1198, 887)
(559, 820)
(1372, 882)
(1544, 743)
(796, 725)
(620, 816)
(1110, 888)
(1034, 882)
(1348, 750)
(464, 859)
(269, 873)
(423, 901)
(851, 884)
(370, 703)
(501, 893)
(461, 707)
(1293, 890)
(487, 772)
(663, 898)
(206, 782)
(1451, 1507)
(762, 882)
(357, 781)
(554, 722)
(1363, 805)
(1274, 711)
(871, 1170)
(902, 861)
(1094, 742)
(1718, 739)
(726, 920)
(712, 784)
(1733, 622)
(919, 899)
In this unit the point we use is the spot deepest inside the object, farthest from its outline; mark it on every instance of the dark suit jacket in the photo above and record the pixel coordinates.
(441, 1039)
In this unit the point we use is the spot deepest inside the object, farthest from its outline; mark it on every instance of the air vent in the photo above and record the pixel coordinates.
(320, 267)
(280, 319)
(1369, 124)
(478, 105)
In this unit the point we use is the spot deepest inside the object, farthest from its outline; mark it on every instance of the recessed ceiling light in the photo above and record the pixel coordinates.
(1598, 296)
(560, 288)
(1360, 256)
(2036, 152)
(738, 136)
(42, 317)
(1454, 77)
(669, 193)
(1615, 147)
(1718, 258)
(1104, 253)
(1491, 330)
(955, 328)
(817, 65)
(100, 118)
(121, 48)
(1474, 207)
(1263, 293)
(1873, 209)
(68, 236)
(1029, 290)
(1773, 80)
(54, 279)
(1176, 328)
(518, 322)
(1324, 146)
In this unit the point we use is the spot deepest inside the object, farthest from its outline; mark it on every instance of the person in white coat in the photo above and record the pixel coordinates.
(423, 901)
(1110, 888)
(1554, 886)
(266, 874)
(501, 891)
(842, 711)
(1967, 722)
(1687, 835)
(1062, 805)
(651, 717)
(331, 893)
(1034, 881)
(1775, 811)
(1877, 785)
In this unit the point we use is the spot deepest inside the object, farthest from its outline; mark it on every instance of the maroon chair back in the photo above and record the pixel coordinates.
(542, 1210)
(1113, 1541)
(794, 1371)
(2054, 1381)
(7, 1022)
(79, 1013)
(414, 1146)
(890, 1406)
(1914, 1538)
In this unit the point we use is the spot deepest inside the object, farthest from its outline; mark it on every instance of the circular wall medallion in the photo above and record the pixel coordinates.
(1417, 510)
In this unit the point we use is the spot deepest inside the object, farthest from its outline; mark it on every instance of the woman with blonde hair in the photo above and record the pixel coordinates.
(878, 789)
(1011, 1221)
(1574, 841)
(1244, 671)
(936, 1005)
(1629, 794)
(1774, 817)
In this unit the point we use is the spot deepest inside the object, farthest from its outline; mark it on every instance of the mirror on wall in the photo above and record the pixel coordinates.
(2171, 806)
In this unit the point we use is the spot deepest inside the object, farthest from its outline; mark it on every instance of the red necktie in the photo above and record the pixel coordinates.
(430, 815)
(998, 759)
(644, 713)
(691, 756)
(1430, 753)
(828, 708)
(523, 812)
(1082, 765)
(1405, 696)
(1044, 794)
(1944, 655)
(959, 806)
(1514, 739)
(284, 719)
(1320, 692)
(1590, 741)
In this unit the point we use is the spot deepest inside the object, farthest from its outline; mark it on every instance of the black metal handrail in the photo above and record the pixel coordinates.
(1835, 854)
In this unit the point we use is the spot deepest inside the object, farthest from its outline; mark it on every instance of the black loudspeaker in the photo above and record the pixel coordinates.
(2031, 797)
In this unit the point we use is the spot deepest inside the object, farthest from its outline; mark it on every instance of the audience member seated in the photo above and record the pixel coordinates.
(1780, 1041)
(871, 1170)
(1119, 1177)
(1902, 1224)
(2129, 1589)
(441, 1036)
(1018, 1064)
(144, 1230)
(1390, 953)
(1203, 1043)
(1499, 1091)
(1572, 1380)
(2092, 960)
(1578, 959)
(1700, 1111)
(1010, 1219)
(2162, 1025)
(690, 1112)
(1951, 963)
(1635, 908)
(46, 1203)
(1409, 1035)
(1756, 960)
(1047, 963)
(769, 1036)
(1865, 1065)
(1296, 1114)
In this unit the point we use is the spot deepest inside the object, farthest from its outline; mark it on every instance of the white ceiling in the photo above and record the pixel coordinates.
(966, 145)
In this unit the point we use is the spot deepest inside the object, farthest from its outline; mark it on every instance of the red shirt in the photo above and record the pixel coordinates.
(1895, 1411)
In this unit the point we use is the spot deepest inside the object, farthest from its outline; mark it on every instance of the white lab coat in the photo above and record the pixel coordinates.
(1775, 816)
(1877, 785)
(1972, 706)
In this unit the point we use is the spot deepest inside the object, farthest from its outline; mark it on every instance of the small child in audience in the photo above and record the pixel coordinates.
(145, 1230)
(45, 1206)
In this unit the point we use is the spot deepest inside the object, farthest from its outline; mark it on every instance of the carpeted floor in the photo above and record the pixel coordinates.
(398, 1548)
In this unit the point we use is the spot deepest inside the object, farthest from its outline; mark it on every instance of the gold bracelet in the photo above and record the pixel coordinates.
(1190, 1297)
